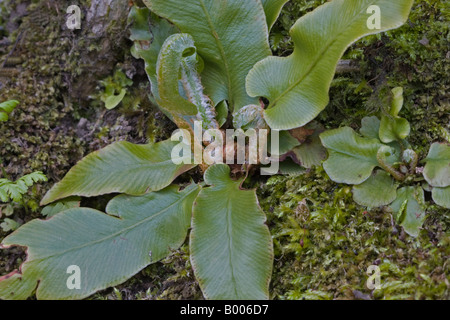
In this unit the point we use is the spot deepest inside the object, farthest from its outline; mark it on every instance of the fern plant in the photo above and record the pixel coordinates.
(14, 191)
(206, 60)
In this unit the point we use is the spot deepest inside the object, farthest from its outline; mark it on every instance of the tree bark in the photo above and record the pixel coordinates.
(101, 43)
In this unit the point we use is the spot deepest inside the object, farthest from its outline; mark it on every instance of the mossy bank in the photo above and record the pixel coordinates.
(324, 242)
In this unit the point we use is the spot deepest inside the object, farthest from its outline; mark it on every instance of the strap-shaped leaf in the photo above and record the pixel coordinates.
(437, 169)
(409, 209)
(171, 58)
(379, 190)
(231, 247)
(107, 249)
(297, 86)
(178, 61)
(174, 51)
(122, 167)
(351, 157)
(272, 9)
(231, 36)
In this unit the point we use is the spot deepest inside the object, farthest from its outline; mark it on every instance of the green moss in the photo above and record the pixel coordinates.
(324, 244)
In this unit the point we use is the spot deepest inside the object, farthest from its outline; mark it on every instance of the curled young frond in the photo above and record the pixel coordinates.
(178, 61)
(193, 88)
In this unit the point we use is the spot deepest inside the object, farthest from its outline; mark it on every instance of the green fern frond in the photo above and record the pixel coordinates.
(33, 178)
(15, 190)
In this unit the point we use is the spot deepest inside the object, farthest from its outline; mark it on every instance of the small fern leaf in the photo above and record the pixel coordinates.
(33, 178)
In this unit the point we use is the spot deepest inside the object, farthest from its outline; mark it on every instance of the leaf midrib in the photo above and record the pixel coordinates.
(221, 51)
(230, 245)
